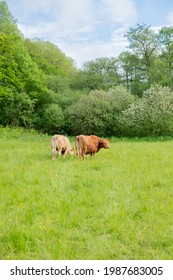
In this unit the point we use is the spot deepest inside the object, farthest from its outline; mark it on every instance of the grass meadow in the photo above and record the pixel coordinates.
(118, 205)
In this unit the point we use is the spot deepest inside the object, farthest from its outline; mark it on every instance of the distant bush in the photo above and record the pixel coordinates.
(53, 119)
(15, 109)
(152, 115)
(98, 113)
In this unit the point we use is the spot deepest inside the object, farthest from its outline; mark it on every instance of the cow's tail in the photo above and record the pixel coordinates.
(53, 142)
(78, 148)
(53, 147)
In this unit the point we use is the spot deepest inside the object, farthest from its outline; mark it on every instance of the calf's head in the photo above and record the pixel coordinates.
(71, 151)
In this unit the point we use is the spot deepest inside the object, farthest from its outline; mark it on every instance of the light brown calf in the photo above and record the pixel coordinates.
(61, 144)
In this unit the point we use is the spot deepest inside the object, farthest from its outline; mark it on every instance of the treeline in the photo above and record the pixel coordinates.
(131, 95)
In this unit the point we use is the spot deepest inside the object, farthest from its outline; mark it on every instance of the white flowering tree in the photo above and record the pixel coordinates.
(152, 115)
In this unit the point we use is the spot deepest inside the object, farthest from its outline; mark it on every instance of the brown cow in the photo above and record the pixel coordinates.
(61, 144)
(89, 144)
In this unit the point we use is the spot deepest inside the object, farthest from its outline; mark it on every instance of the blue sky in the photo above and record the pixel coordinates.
(87, 29)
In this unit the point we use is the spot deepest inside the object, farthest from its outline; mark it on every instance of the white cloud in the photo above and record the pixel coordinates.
(41, 30)
(170, 18)
(30, 6)
(76, 12)
(123, 11)
(156, 29)
(91, 51)
(63, 18)
(118, 35)
(84, 29)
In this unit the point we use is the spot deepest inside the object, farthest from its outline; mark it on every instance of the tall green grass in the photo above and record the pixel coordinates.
(118, 205)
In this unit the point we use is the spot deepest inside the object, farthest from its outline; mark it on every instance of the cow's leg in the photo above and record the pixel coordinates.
(80, 153)
(92, 155)
(83, 155)
(66, 151)
(59, 152)
(84, 152)
(53, 148)
(53, 153)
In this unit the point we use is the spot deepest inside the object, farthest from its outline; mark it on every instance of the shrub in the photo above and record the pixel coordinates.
(99, 112)
(53, 119)
(152, 115)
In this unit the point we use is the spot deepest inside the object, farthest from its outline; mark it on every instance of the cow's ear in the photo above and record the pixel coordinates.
(101, 140)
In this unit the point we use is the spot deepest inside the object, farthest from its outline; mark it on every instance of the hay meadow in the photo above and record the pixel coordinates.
(118, 205)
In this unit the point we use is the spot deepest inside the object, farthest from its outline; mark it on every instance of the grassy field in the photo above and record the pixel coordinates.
(118, 205)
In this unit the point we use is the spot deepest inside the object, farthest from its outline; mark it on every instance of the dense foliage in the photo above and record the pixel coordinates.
(130, 95)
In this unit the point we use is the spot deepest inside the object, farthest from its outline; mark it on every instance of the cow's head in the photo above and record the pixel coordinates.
(104, 143)
(71, 151)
